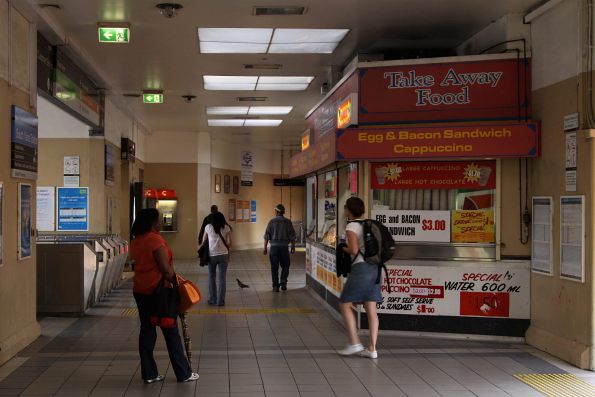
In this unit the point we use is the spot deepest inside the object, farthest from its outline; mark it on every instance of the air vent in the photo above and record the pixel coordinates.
(131, 95)
(252, 98)
(263, 66)
(290, 10)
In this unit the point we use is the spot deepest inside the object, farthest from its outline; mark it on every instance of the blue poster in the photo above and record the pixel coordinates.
(253, 211)
(73, 209)
(23, 144)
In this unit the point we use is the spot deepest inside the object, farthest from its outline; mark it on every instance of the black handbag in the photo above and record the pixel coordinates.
(203, 253)
(343, 261)
(166, 304)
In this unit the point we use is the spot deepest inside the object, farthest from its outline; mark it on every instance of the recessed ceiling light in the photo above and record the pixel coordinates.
(285, 79)
(261, 83)
(225, 122)
(228, 110)
(230, 79)
(269, 110)
(263, 123)
(281, 87)
(249, 41)
(289, 10)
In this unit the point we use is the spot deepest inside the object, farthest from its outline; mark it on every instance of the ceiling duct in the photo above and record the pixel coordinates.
(252, 98)
(289, 10)
(263, 66)
(132, 95)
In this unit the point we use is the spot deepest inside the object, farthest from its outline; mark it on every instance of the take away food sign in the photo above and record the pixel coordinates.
(495, 89)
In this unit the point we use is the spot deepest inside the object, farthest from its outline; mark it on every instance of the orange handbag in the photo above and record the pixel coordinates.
(189, 293)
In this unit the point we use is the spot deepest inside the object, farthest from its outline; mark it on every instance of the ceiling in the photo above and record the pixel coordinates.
(163, 53)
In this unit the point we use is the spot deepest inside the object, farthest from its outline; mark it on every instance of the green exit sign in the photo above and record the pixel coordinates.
(114, 35)
(152, 98)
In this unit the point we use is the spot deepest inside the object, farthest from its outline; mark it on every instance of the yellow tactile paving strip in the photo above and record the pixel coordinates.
(558, 385)
(132, 312)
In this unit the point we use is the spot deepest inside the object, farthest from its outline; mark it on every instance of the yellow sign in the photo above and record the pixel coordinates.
(473, 226)
(306, 139)
(344, 113)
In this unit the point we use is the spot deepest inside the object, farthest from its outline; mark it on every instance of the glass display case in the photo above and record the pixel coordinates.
(327, 208)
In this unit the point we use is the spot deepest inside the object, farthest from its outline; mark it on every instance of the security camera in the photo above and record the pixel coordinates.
(324, 89)
(169, 10)
(189, 98)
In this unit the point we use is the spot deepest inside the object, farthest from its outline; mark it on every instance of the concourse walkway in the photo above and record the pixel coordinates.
(268, 344)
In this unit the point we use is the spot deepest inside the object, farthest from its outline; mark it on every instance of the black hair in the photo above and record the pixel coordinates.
(356, 206)
(214, 209)
(146, 219)
(218, 222)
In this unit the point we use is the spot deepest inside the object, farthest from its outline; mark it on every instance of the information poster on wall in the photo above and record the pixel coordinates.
(72, 165)
(430, 226)
(24, 160)
(1, 223)
(542, 249)
(443, 289)
(473, 226)
(231, 209)
(323, 269)
(253, 211)
(572, 238)
(571, 163)
(110, 165)
(25, 218)
(73, 208)
(246, 165)
(246, 208)
(45, 210)
(239, 211)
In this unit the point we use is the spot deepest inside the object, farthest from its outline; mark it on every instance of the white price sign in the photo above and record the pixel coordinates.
(416, 226)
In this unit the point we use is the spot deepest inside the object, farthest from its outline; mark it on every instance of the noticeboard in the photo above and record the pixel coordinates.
(73, 209)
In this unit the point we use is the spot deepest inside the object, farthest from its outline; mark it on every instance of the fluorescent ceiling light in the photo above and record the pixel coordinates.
(303, 48)
(226, 122)
(230, 79)
(228, 110)
(262, 123)
(235, 35)
(281, 87)
(285, 79)
(263, 110)
(286, 36)
(228, 87)
(210, 47)
(262, 41)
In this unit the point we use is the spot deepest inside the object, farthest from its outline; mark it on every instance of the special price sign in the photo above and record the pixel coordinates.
(443, 289)
(416, 226)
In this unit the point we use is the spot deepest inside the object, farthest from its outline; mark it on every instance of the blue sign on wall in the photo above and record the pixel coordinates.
(23, 162)
(73, 209)
(253, 211)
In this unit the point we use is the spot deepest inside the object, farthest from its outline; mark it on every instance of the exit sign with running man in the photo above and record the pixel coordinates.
(114, 35)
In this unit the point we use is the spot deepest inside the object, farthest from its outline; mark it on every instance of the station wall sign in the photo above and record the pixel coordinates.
(461, 141)
(24, 143)
(453, 91)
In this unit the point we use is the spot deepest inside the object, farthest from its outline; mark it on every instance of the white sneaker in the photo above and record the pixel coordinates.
(368, 354)
(159, 378)
(351, 349)
(193, 377)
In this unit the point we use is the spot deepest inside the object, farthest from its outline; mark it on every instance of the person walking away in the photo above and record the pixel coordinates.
(205, 222)
(280, 234)
(218, 236)
(154, 260)
(361, 283)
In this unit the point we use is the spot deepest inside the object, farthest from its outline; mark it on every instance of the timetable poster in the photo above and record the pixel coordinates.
(73, 209)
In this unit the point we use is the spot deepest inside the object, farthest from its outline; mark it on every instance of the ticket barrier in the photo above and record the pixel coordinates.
(76, 271)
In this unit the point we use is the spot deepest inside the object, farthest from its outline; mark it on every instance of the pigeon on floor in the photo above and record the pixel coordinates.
(241, 284)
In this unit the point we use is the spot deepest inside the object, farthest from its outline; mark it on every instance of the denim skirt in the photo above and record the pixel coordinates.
(361, 284)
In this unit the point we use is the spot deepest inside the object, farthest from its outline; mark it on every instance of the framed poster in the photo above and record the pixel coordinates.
(572, 238)
(226, 184)
(24, 144)
(110, 165)
(246, 208)
(246, 164)
(542, 249)
(45, 211)
(1, 227)
(24, 220)
(231, 210)
(217, 183)
(236, 185)
(73, 209)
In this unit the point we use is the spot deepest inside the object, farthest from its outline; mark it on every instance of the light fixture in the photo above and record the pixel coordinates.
(248, 110)
(260, 83)
(228, 110)
(262, 123)
(243, 122)
(225, 122)
(169, 10)
(269, 110)
(262, 41)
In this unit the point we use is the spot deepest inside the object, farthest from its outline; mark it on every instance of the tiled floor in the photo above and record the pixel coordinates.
(254, 353)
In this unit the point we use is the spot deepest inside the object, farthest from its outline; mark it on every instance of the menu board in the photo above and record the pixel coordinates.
(572, 238)
(542, 247)
(322, 266)
(427, 226)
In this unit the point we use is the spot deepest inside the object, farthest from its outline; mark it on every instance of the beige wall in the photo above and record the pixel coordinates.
(510, 213)
(182, 177)
(250, 235)
(19, 326)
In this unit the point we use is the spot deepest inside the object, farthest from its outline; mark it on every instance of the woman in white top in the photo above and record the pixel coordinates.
(361, 286)
(218, 236)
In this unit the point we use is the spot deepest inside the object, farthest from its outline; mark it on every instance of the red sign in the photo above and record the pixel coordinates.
(344, 114)
(485, 304)
(167, 194)
(464, 141)
(150, 193)
(318, 156)
(473, 90)
(434, 175)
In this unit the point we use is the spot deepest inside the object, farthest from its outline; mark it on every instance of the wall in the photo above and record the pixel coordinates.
(19, 325)
(561, 310)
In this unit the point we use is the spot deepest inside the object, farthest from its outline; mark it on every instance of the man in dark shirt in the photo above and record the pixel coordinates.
(205, 222)
(280, 234)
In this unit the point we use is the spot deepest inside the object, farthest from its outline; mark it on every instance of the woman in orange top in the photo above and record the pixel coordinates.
(154, 260)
